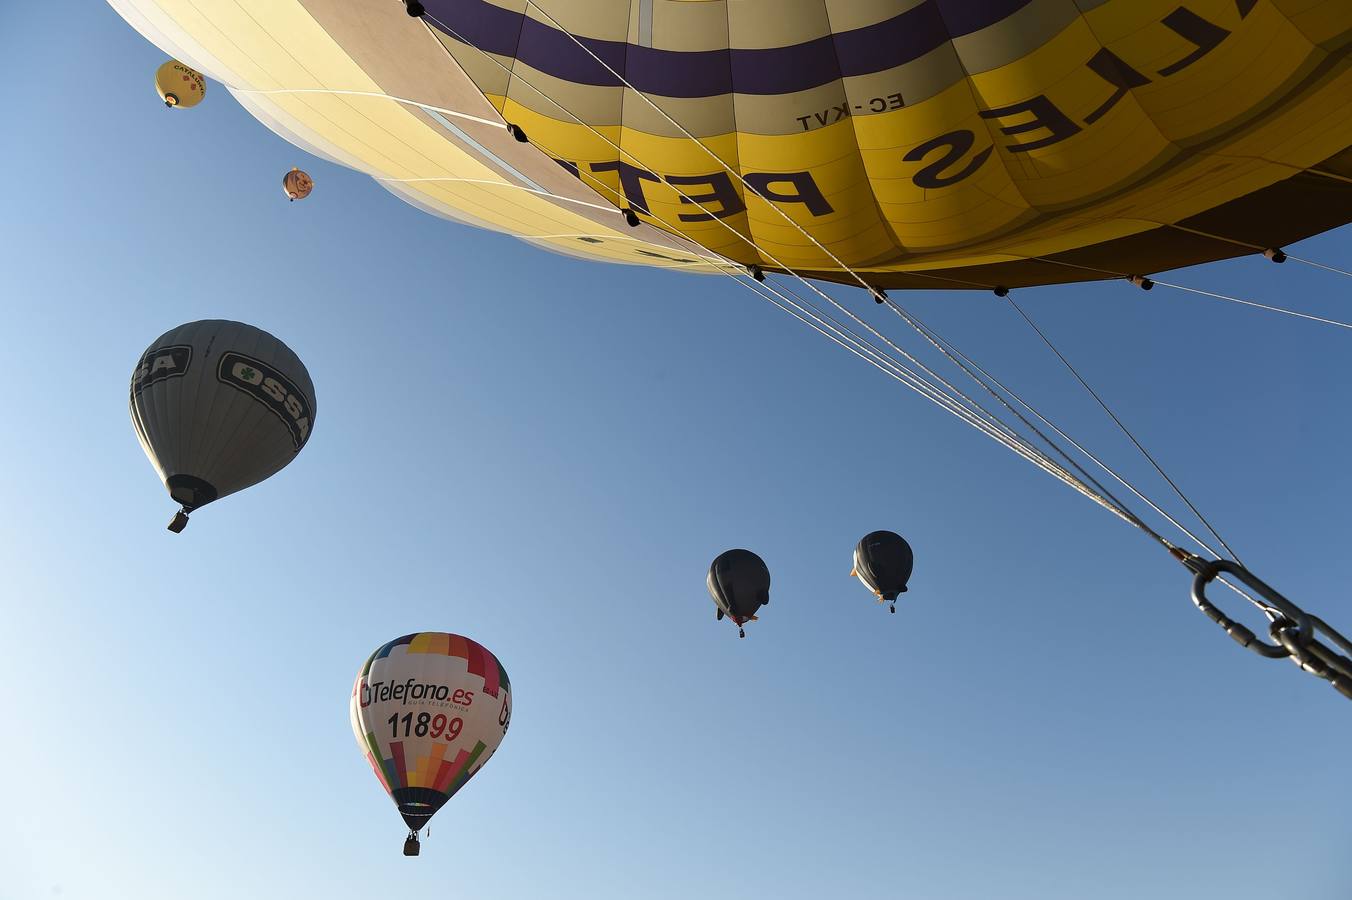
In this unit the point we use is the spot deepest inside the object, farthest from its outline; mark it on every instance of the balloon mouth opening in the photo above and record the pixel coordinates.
(170, 100)
(418, 805)
(190, 491)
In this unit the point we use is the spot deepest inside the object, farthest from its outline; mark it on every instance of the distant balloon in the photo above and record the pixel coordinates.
(883, 562)
(739, 583)
(428, 710)
(219, 406)
(297, 184)
(179, 85)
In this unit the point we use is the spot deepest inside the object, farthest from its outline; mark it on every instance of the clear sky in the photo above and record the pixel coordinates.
(545, 454)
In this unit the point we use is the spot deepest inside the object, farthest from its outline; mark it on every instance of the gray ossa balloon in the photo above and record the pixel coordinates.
(219, 406)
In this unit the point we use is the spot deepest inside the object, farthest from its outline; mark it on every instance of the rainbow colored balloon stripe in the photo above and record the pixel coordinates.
(480, 661)
(445, 776)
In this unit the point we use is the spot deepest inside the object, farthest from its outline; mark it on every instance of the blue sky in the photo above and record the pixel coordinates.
(545, 454)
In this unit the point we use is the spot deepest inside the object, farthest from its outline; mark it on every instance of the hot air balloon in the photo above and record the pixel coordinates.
(739, 583)
(219, 406)
(935, 144)
(428, 710)
(179, 86)
(883, 562)
(297, 185)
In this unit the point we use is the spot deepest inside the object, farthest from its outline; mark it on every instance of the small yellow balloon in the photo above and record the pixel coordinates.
(297, 184)
(179, 85)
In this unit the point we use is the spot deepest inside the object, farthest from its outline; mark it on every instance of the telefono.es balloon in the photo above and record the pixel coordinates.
(428, 711)
(219, 406)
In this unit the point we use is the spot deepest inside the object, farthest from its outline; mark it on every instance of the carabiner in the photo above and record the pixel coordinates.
(1294, 625)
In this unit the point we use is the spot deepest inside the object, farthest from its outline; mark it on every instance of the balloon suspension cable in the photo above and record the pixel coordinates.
(1254, 303)
(1148, 283)
(338, 92)
(1309, 653)
(1178, 553)
(1318, 265)
(1136, 443)
(930, 333)
(989, 383)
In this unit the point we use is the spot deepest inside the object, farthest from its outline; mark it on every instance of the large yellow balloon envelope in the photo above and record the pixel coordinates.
(179, 85)
(919, 143)
(428, 710)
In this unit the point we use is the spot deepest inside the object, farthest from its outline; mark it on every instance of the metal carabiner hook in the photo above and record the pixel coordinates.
(1293, 628)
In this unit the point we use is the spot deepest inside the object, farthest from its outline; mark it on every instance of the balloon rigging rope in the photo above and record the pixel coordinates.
(998, 431)
(1277, 309)
(1052, 425)
(1139, 446)
(962, 362)
(962, 406)
(1114, 505)
(977, 415)
(1002, 433)
(1318, 265)
(350, 93)
(1180, 287)
(814, 318)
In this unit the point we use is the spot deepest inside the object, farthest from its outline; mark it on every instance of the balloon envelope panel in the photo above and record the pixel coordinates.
(219, 406)
(428, 710)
